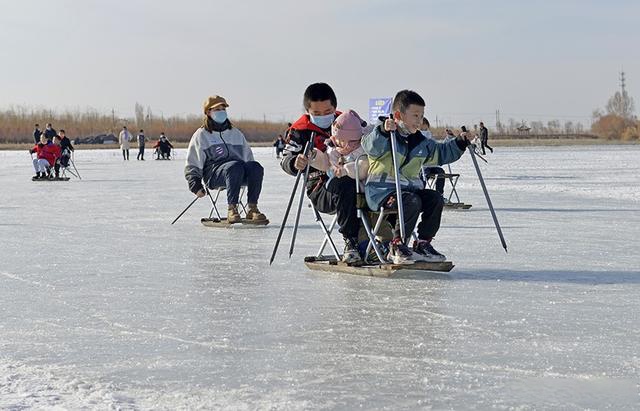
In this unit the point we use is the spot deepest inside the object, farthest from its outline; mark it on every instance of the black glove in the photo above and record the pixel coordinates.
(195, 186)
(462, 142)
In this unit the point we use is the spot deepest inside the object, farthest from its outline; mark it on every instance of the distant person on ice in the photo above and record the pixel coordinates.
(36, 134)
(163, 148)
(141, 142)
(47, 154)
(484, 138)
(49, 132)
(66, 147)
(125, 142)
(414, 150)
(279, 144)
(219, 154)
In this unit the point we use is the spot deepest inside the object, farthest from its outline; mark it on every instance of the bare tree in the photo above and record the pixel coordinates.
(568, 127)
(621, 104)
(553, 126)
(537, 127)
(139, 109)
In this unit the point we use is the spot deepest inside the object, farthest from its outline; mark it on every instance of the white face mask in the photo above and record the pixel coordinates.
(219, 116)
(402, 127)
(322, 121)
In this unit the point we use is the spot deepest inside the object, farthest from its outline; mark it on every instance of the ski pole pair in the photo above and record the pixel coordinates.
(307, 149)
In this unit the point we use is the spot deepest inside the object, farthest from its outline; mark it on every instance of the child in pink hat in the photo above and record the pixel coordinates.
(343, 148)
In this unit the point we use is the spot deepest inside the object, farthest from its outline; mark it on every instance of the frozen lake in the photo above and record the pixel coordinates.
(104, 304)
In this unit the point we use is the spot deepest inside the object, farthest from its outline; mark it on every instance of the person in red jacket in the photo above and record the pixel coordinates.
(47, 156)
(39, 163)
(339, 196)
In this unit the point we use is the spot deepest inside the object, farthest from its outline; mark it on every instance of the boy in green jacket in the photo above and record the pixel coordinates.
(414, 150)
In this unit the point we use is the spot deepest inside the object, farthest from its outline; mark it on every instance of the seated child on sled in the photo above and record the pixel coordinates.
(414, 149)
(339, 160)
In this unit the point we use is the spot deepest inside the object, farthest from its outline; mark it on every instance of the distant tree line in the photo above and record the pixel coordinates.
(17, 124)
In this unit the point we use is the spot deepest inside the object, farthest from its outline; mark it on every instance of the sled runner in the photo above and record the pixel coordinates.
(50, 180)
(373, 270)
(219, 221)
(457, 206)
(222, 222)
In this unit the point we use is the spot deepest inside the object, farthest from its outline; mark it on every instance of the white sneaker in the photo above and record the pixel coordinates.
(400, 254)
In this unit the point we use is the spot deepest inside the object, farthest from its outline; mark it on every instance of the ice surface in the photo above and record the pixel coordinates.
(105, 305)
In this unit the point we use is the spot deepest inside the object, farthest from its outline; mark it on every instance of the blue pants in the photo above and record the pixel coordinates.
(236, 173)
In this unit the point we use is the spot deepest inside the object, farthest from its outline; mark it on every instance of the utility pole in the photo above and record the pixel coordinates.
(623, 93)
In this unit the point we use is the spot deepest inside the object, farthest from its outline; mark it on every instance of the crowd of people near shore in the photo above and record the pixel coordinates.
(162, 147)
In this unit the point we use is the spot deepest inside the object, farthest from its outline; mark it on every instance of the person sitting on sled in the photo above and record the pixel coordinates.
(343, 149)
(163, 148)
(66, 147)
(219, 154)
(339, 196)
(46, 156)
(414, 150)
(428, 169)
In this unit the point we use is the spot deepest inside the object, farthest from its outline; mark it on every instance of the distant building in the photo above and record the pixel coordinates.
(523, 129)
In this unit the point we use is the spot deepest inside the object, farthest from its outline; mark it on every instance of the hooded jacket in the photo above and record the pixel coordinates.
(296, 138)
(414, 151)
(208, 150)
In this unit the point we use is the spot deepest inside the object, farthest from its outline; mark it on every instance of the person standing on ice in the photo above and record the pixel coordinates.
(484, 138)
(141, 142)
(219, 154)
(36, 134)
(125, 142)
(339, 196)
(50, 132)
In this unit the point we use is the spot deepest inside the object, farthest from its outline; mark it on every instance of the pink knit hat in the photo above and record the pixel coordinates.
(348, 126)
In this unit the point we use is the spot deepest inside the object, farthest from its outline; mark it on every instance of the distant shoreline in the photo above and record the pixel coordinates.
(529, 142)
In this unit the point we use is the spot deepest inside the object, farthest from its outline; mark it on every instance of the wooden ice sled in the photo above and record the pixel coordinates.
(378, 270)
(222, 223)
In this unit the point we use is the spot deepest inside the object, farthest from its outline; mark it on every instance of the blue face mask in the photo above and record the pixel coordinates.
(219, 116)
(322, 121)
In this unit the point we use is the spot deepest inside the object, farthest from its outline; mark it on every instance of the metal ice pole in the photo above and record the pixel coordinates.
(293, 194)
(396, 167)
(486, 195)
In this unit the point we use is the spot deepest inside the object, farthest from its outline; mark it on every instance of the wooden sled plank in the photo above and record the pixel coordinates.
(380, 270)
(457, 206)
(51, 180)
(219, 223)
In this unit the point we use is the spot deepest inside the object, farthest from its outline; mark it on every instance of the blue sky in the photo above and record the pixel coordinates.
(531, 60)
